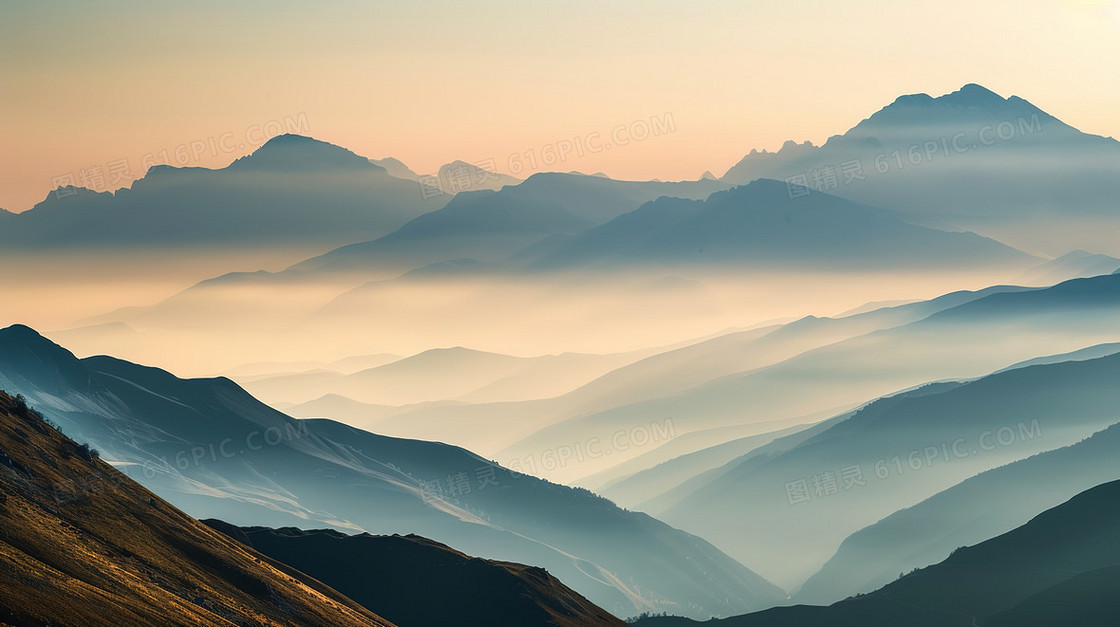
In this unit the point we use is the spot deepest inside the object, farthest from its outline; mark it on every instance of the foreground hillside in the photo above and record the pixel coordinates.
(471, 591)
(81, 544)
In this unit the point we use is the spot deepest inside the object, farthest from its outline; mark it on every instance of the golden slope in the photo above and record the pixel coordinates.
(81, 544)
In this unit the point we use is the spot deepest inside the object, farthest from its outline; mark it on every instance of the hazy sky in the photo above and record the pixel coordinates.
(98, 90)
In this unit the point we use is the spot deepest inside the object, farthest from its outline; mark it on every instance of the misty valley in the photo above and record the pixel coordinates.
(870, 382)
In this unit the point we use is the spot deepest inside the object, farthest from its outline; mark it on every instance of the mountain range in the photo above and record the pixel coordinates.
(763, 224)
(816, 368)
(422, 362)
(971, 160)
(728, 386)
(293, 191)
(894, 452)
(215, 451)
(491, 225)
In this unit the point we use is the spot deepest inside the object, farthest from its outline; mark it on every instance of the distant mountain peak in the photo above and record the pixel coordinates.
(460, 163)
(460, 176)
(70, 193)
(973, 96)
(25, 338)
(299, 153)
(26, 353)
(19, 332)
(396, 168)
(912, 100)
(975, 88)
(964, 110)
(970, 99)
(789, 149)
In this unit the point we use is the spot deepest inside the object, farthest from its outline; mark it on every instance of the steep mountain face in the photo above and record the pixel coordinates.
(763, 223)
(216, 451)
(82, 544)
(471, 591)
(292, 190)
(980, 507)
(1057, 569)
(972, 158)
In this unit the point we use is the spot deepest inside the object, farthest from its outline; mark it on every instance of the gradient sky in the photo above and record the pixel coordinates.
(89, 85)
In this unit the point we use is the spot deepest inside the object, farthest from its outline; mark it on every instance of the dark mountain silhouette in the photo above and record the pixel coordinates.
(214, 450)
(489, 225)
(1058, 569)
(910, 119)
(429, 583)
(82, 544)
(292, 190)
(297, 154)
(762, 223)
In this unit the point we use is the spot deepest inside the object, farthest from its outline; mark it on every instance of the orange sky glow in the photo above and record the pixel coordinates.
(94, 94)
